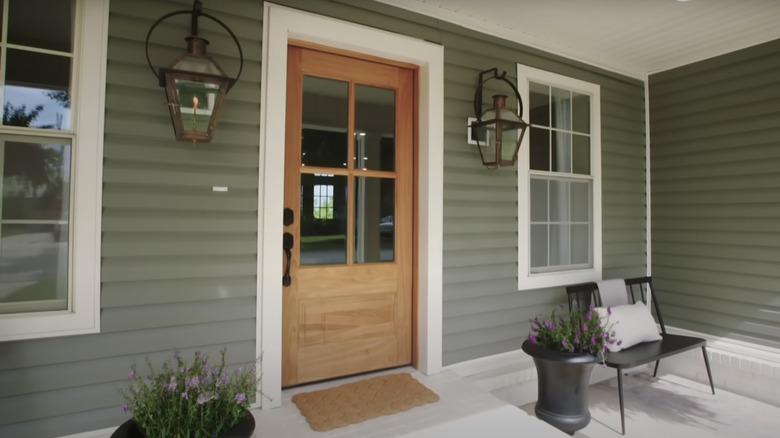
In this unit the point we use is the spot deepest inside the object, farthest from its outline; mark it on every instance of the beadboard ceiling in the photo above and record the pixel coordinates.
(633, 37)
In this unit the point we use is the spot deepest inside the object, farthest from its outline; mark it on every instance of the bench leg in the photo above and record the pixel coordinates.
(707, 364)
(655, 370)
(620, 396)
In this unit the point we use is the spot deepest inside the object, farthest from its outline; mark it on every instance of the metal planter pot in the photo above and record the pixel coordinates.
(563, 387)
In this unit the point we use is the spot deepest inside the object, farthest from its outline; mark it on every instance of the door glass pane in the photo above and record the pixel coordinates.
(325, 122)
(33, 267)
(37, 90)
(36, 181)
(44, 24)
(374, 220)
(374, 128)
(323, 219)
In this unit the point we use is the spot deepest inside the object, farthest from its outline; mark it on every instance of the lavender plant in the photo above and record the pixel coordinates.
(189, 400)
(576, 332)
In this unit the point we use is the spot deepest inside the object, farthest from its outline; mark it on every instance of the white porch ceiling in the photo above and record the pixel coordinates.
(633, 37)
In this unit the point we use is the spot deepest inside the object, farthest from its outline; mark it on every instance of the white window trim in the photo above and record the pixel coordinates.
(87, 177)
(526, 279)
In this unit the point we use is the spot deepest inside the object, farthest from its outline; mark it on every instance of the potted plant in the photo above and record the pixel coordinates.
(189, 400)
(564, 348)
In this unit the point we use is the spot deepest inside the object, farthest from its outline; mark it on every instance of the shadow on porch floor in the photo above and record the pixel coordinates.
(671, 406)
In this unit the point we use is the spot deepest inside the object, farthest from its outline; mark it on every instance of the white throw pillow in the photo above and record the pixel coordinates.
(632, 324)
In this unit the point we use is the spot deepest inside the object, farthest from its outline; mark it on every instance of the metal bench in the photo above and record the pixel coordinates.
(641, 288)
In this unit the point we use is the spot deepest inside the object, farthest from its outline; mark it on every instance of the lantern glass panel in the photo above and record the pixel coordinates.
(197, 101)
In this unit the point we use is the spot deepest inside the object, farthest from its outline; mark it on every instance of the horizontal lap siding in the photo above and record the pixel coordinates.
(715, 135)
(484, 313)
(178, 260)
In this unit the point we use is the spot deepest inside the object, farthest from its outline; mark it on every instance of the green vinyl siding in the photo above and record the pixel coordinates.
(179, 261)
(715, 136)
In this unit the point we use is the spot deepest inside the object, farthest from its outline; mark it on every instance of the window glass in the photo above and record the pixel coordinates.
(558, 212)
(52, 30)
(35, 171)
(36, 86)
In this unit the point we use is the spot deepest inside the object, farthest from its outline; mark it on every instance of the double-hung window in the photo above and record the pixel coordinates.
(52, 80)
(559, 181)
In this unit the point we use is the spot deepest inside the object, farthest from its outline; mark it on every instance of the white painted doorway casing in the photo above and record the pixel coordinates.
(280, 24)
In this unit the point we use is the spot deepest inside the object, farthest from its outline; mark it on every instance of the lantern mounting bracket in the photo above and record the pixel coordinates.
(494, 75)
(197, 11)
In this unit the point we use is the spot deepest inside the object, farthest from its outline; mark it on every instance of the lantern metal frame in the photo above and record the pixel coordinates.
(169, 77)
(478, 131)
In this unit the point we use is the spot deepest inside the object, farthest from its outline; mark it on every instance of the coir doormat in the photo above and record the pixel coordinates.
(360, 401)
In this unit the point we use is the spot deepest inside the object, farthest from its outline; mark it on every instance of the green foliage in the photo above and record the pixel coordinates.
(189, 400)
(576, 332)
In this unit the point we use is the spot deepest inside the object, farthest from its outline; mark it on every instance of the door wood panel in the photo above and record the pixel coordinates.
(355, 315)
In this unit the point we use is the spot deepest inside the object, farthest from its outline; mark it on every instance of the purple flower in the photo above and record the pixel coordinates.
(175, 356)
(532, 338)
(550, 325)
(223, 350)
(609, 310)
(203, 399)
(191, 382)
(588, 316)
(593, 340)
(240, 397)
(126, 408)
(172, 385)
(185, 396)
(534, 329)
(577, 340)
(564, 343)
(133, 374)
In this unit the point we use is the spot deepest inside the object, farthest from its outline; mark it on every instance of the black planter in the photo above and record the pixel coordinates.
(244, 429)
(563, 387)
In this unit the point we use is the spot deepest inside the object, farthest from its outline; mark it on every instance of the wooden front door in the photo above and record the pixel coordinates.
(348, 216)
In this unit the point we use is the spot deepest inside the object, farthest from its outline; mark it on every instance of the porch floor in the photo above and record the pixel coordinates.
(664, 406)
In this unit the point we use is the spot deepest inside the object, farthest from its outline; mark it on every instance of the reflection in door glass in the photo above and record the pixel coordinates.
(374, 220)
(374, 128)
(325, 121)
(323, 219)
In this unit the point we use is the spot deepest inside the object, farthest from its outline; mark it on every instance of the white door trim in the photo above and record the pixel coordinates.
(281, 24)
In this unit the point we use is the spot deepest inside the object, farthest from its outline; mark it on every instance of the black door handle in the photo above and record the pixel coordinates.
(287, 243)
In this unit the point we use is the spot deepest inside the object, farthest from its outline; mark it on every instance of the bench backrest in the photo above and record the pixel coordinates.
(639, 288)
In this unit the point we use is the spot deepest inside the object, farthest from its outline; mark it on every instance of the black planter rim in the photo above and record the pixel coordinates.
(538, 352)
(242, 429)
